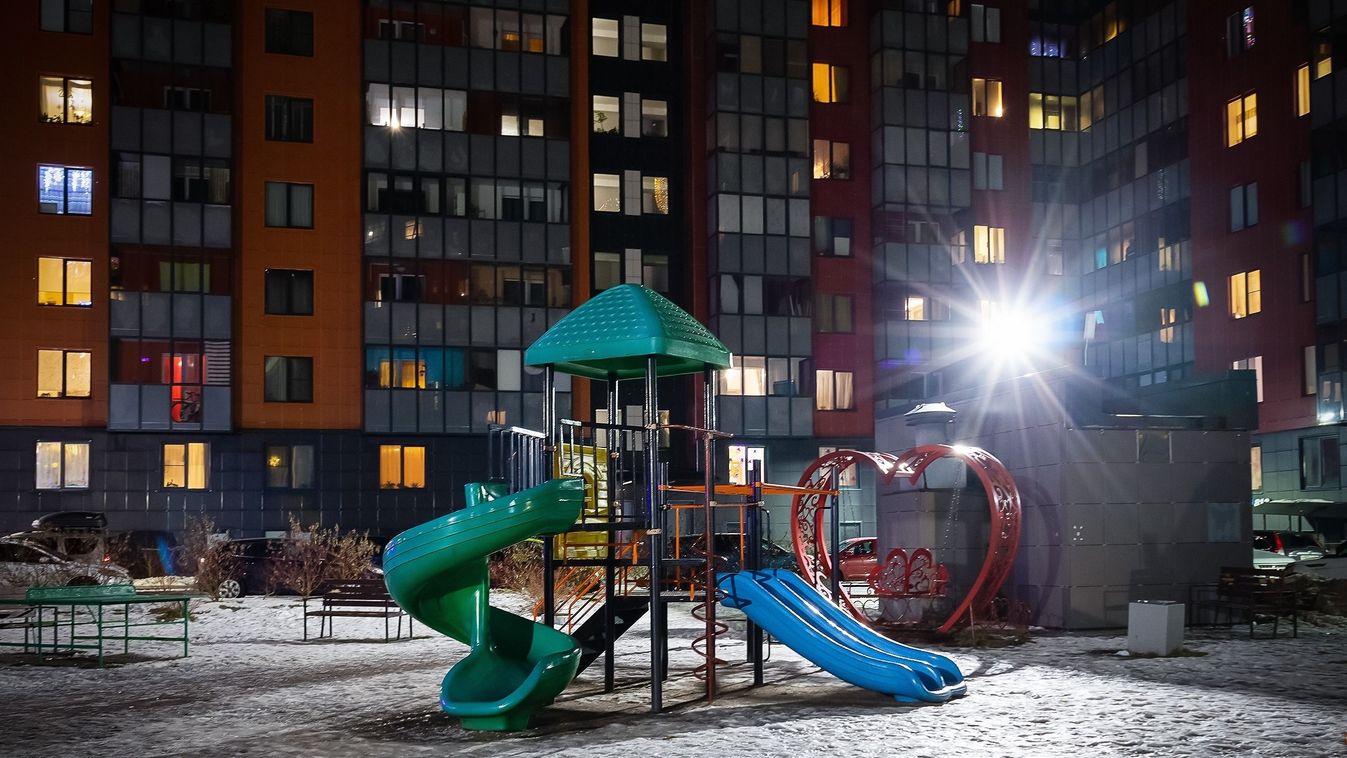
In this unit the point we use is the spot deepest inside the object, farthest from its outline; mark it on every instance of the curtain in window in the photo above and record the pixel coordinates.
(276, 204)
(390, 466)
(301, 467)
(301, 205)
(48, 465)
(843, 389)
(76, 464)
(414, 467)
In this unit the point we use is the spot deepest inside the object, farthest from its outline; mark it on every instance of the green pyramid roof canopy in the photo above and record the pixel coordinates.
(618, 329)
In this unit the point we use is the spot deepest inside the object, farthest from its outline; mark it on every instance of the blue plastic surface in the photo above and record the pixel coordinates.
(792, 611)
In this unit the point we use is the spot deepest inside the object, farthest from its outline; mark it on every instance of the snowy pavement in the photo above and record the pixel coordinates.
(252, 687)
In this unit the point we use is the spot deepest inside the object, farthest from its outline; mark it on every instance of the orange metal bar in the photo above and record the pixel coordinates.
(744, 489)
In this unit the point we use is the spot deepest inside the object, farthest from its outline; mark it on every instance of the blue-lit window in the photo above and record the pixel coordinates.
(65, 189)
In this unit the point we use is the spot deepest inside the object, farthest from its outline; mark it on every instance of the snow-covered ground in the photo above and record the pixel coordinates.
(252, 687)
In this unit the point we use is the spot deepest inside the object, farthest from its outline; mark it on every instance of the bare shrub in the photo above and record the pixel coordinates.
(209, 559)
(520, 568)
(314, 554)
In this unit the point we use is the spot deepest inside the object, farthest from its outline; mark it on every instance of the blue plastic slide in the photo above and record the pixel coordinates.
(789, 609)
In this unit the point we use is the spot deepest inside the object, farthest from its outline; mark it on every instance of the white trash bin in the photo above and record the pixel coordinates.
(1154, 627)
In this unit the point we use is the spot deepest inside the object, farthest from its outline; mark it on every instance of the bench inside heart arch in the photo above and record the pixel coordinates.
(809, 537)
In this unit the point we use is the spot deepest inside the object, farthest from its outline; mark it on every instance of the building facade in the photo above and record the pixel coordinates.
(286, 257)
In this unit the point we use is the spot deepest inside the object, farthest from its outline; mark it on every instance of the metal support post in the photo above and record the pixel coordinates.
(549, 541)
(755, 551)
(835, 529)
(611, 441)
(655, 540)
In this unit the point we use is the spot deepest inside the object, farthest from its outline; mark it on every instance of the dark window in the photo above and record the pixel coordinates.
(289, 32)
(290, 205)
(289, 292)
(832, 236)
(288, 380)
(289, 119)
(401, 287)
(289, 466)
(75, 16)
(1319, 463)
(201, 180)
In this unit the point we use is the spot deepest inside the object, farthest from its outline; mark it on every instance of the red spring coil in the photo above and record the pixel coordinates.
(719, 628)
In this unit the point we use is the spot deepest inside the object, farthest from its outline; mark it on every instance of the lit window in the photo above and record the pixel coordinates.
(1323, 58)
(986, 23)
(607, 193)
(186, 465)
(914, 308)
(1243, 206)
(603, 39)
(743, 457)
(415, 107)
(1168, 259)
(833, 390)
(832, 160)
(830, 83)
(287, 380)
(1054, 112)
(987, 98)
(67, 101)
(1246, 296)
(289, 466)
(746, 376)
(289, 205)
(61, 281)
(834, 313)
(1239, 35)
(607, 118)
(63, 373)
(1254, 364)
(62, 465)
(1168, 317)
(1303, 90)
(828, 13)
(402, 467)
(1241, 119)
(655, 195)
(65, 190)
(1256, 467)
(654, 42)
(989, 244)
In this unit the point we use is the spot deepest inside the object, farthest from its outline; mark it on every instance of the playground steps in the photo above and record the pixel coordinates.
(593, 633)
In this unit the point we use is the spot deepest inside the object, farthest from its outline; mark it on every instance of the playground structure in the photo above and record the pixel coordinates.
(614, 545)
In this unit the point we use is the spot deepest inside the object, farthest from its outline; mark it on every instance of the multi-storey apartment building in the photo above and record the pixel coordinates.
(273, 257)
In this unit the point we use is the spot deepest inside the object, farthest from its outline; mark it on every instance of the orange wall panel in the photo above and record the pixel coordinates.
(25, 142)
(332, 249)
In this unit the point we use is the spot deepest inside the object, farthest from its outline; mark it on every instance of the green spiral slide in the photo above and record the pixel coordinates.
(437, 572)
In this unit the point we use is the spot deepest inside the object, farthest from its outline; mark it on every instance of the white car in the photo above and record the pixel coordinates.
(24, 565)
(1266, 559)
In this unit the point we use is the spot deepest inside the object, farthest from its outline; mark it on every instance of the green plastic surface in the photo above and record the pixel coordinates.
(81, 592)
(618, 329)
(437, 572)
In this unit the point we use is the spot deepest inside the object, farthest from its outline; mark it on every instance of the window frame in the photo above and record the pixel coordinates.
(1319, 444)
(188, 448)
(287, 32)
(288, 374)
(831, 403)
(289, 118)
(65, 189)
(290, 449)
(829, 83)
(290, 204)
(982, 95)
(65, 282)
(1242, 111)
(984, 23)
(828, 13)
(828, 169)
(68, 14)
(401, 483)
(289, 284)
(1243, 206)
(65, 100)
(62, 479)
(1249, 298)
(64, 393)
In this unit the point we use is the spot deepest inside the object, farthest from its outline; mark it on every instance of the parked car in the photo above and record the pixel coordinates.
(260, 562)
(79, 536)
(727, 552)
(24, 564)
(1329, 567)
(1296, 545)
(858, 558)
(83, 520)
(1265, 559)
